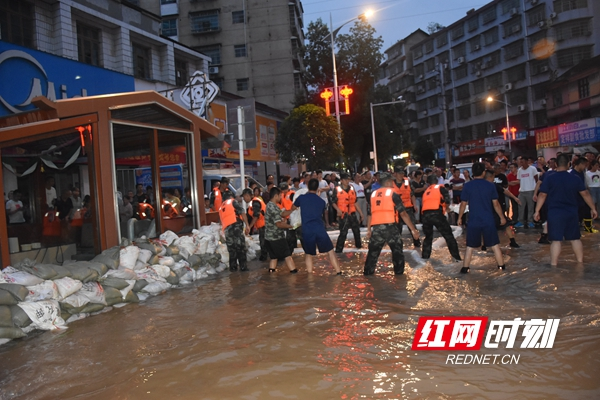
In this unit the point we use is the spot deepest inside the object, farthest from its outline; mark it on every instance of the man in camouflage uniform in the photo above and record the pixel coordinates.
(346, 216)
(235, 235)
(403, 187)
(435, 195)
(257, 214)
(382, 230)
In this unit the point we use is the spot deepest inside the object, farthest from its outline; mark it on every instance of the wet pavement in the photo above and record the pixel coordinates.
(260, 336)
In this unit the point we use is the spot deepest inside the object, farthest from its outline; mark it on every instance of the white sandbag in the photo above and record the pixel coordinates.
(77, 317)
(44, 314)
(144, 256)
(124, 273)
(211, 271)
(295, 219)
(67, 286)
(202, 245)
(155, 288)
(179, 265)
(201, 275)
(128, 256)
(168, 237)
(12, 275)
(94, 292)
(186, 244)
(251, 255)
(168, 261)
(188, 277)
(140, 265)
(222, 267)
(213, 243)
(46, 290)
(143, 296)
(149, 275)
(161, 270)
(126, 291)
(76, 300)
(222, 250)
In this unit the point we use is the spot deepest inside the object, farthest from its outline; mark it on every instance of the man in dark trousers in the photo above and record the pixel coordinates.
(385, 207)
(435, 198)
(256, 211)
(233, 219)
(343, 199)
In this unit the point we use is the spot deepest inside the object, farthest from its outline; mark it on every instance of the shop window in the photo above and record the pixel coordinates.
(17, 22)
(88, 45)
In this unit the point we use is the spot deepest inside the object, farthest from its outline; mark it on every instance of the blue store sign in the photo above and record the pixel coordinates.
(27, 73)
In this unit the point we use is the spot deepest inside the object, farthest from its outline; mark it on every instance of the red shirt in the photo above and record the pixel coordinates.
(514, 189)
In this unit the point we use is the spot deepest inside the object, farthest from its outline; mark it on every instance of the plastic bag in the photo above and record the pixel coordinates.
(128, 256)
(12, 275)
(144, 255)
(67, 286)
(155, 288)
(46, 290)
(168, 261)
(94, 292)
(186, 245)
(149, 275)
(124, 273)
(222, 250)
(45, 314)
(161, 270)
(76, 300)
(168, 237)
(125, 292)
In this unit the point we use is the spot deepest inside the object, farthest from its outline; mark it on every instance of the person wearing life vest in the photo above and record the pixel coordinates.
(169, 209)
(233, 219)
(343, 199)
(286, 204)
(403, 187)
(256, 211)
(216, 197)
(432, 212)
(145, 211)
(384, 209)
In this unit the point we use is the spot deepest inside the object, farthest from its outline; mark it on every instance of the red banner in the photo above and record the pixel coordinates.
(547, 137)
(163, 159)
(471, 147)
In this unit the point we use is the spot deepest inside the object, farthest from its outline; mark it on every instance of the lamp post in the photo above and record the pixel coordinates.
(508, 131)
(373, 127)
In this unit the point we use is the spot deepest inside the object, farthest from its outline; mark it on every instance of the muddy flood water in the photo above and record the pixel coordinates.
(283, 336)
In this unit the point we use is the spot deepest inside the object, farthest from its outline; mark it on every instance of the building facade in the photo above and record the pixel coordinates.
(256, 47)
(510, 50)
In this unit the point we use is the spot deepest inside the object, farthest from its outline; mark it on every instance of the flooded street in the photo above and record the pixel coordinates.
(257, 336)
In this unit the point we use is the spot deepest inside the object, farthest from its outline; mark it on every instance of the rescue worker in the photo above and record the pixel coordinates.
(343, 199)
(435, 200)
(286, 204)
(385, 206)
(256, 211)
(216, 197)
(404, 189)
(233, 219)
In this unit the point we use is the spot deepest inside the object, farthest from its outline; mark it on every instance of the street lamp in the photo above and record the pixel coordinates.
(508, 131)
(373, 126)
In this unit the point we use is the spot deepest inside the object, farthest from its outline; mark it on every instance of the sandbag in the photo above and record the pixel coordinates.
(172, 250)
(139, 285)
(11, 333)
(100, 268)
(151, 247)
(5, 317)
(156, 287)
(177, 257)
(69, 309)
(154, 259)
(149, 275)
(125, 291)
(128, 257)
(112, 295)
(7, 299)
(194, 261)
(186, 275)
(161, 270)
(116, 283)
(77, 317)
(76, 300)
(168, 237)
(44, 314)
(80, 271)
(66, 286)
(173, 279)
(43, 271)
(46, 290)
(109, 262)
(168, 261)
(12, 275)
(131, 298)
(92, 307)
(144, 255)
(19, 317)
(93, 291)
(124, 273)
(61, 272)
(187, 246)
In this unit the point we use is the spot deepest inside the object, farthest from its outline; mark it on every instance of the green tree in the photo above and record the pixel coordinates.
(423, 153)
(434, 27)
(317, 58)
(308, 134)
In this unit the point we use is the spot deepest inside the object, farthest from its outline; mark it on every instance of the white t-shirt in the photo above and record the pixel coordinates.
(526, 178)
(50, 196)
(592, 179)
(17, 217)
(324, 185)
(359, 189)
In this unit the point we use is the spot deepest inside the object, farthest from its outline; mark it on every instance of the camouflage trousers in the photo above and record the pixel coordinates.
(348, 221)
(380, 235)
(411, 213)
(236, 246)
(436, 218)
(261, 240)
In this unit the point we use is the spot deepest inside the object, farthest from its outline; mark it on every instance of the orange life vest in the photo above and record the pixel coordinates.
(145, 211)
(286, 201)
(169, 209)
(51, 224)
(432, 198)
(346, 200)
(383, 209)
(260, 222)
(227, 214)
(218, 199)
(404, 190)
(77, 219)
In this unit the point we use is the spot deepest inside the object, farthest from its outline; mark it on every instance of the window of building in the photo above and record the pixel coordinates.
(88, 45)
(536, 38)
(490, 36)
(489, 15)
(508, 5)
(568, 5)
(539, 92)
(539, 67)
(479, 107)
(141, 61)
(167, 1)
(475, 43)
(424, 123)
(434, 120)
(583, 85)
(237, 17)
(218, 81)
(458, 32)
(557, 98)
(573, 29)
(240, 50)
(431, 83)
(433, 101)
(17, 22)
(428, 47)
(540, 118)
(430, 65)
(517, 73)
(517, 97)
(494, 82)
(442, 39)
(181, 72)
(460, 72)
(169, 27)
(460, 50)
(418, 52)
(462, 92)
(422, 105)
(419, 70)
(572, 56)
(513, 50)
(444, 57)
(242, 84)
(512, 27)
(464, 112)
(214, 52)
(536, 15)
(481, 131)
(478, 86)
(205, 21)
(473, 23)
(298, 86)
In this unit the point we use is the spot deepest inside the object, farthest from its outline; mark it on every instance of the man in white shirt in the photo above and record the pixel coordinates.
(322, 192)
(50, 192)
(14, 209)
(361, 200)
(592, 180)
(528, 177)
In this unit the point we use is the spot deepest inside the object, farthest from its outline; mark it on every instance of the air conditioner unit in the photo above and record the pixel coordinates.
(534, 2)
(544, 68)
(478, 73)
(213, 70)
(553, 15)
(420, 76)
(543, 102)
(425, 112)
(514, 11)
(477, 47)
(460, 60)
(541, 24)
(508, 86)
(522, 107)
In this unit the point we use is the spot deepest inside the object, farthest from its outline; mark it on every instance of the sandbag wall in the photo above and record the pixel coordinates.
(46, 296)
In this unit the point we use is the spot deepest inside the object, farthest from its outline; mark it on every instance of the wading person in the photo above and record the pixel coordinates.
(286, 203)
(256, 211)
(482, 198)
(344, 202)
(233, 219)
(385, 207)
(275, 226)
(314, 234)
(435, 198)
(490, 176)
(561, 192)
(404, 189)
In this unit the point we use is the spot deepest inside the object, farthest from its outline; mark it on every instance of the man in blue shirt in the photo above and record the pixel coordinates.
(482, 198)
(561, 192)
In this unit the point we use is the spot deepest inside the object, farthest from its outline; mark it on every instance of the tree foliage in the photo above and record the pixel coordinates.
(308, 134)
(423, 152)
(434, 27)
(317, 59)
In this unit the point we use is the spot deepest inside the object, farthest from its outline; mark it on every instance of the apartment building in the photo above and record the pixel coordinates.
(508, 49)
(256, 47)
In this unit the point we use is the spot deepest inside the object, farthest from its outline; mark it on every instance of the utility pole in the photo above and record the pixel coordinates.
(448, 156)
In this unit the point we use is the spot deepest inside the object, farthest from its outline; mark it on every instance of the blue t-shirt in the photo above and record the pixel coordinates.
(563, 190)
(479, 193)
(311, 209)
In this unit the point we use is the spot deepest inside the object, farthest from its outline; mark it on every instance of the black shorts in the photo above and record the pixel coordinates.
(278, 249)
